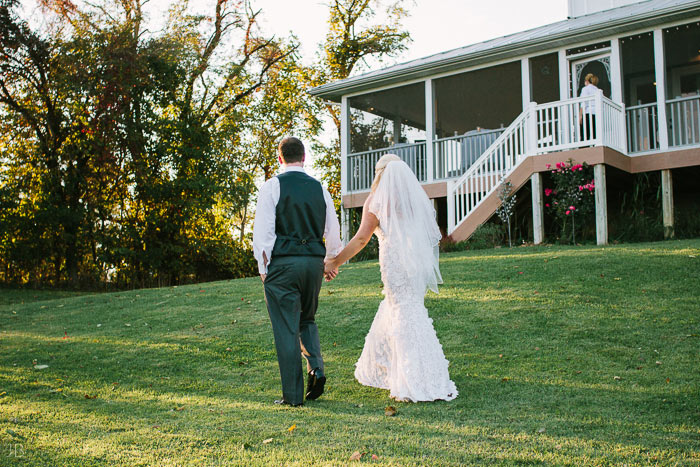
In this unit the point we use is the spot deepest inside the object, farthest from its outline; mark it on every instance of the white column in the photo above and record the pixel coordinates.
(450, 208)
(537, 208)
(667, 202)
(564, 94)
(430, 129)
(615, 71)
(344, 144)
(397, 130)
(660, 66)
(344, 225)
(525, 78)
(563, 76)
(598, 118)
(601, 204)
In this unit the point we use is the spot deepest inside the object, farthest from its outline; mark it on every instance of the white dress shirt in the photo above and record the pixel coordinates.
(264, 227)
(589, 90)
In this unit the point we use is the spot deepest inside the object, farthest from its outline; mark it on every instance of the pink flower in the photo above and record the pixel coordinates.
(547, 205)
(580, 169)
(568, 212)
(548, 166)
(573, 208)
(548, 191)
(580, 188)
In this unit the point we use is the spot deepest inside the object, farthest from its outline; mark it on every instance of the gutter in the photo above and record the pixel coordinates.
(404, 72)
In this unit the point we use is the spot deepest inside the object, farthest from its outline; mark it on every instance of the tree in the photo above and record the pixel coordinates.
(352, 39)
(127, 149)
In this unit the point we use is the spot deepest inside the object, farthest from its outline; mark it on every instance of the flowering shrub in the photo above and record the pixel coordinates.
(572, 194)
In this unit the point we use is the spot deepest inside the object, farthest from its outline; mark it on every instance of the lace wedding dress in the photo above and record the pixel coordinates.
(402, 352)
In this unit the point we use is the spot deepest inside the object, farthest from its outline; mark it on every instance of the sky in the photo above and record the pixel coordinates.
(435, 25)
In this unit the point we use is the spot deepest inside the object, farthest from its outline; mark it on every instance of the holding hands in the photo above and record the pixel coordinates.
(330, 268)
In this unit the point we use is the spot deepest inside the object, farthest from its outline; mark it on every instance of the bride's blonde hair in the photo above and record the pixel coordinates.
(379, 168)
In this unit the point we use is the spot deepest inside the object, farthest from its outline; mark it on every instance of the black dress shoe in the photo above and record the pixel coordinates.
(315, 384)
(284, 402)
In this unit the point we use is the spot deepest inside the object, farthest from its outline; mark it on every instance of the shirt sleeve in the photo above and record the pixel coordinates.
(332, 230)
(264, 226)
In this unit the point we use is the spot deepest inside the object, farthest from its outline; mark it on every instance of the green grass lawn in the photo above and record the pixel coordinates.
(570, 356)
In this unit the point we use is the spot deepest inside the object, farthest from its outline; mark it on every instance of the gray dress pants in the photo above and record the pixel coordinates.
(291, 287)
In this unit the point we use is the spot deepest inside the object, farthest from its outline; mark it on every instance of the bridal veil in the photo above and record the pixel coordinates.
(407, 217)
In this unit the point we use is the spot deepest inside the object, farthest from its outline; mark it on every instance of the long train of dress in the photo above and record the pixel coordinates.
(402, 352)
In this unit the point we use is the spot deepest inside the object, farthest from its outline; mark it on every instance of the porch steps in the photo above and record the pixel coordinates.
(490, 203)
(547, 128)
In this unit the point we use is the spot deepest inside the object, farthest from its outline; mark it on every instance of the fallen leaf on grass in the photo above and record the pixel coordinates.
(180, 409)
(541, 430)
(390, 411)
(658, 362)
(292, 428)
(617, 378)
(356, 456)
(127, 325)
(375, 457)
(88, 396)
(2, 394)
(40, 367)
(668, 380)
(268, 440)
(505, 379)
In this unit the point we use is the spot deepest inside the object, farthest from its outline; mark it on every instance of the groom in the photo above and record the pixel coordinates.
(294, 213)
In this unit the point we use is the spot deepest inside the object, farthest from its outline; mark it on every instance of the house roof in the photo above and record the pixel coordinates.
(593, 27)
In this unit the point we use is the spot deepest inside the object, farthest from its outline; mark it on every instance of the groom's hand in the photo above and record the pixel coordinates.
(262, 277)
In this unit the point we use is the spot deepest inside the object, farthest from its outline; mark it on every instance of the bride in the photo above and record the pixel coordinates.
(402, 352)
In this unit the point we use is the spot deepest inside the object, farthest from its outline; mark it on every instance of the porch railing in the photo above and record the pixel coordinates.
(642, 128)
(361, 164)
(455, 154)
(541, 128)
(683, 121)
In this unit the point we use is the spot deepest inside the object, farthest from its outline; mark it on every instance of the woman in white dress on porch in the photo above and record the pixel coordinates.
(402, 352)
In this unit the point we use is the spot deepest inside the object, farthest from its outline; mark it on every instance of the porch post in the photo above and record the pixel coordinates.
(430, 129)
(601, 204)
(450, 207)
(344, 152)
(397, 130)
(615, 71)
(344, 144)
(564, 95)
(537, 208)
(525, 80)
(667, 202)
(660, 67)
(563, 75)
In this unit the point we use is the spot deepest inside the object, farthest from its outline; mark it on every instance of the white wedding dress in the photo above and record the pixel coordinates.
(402, 352)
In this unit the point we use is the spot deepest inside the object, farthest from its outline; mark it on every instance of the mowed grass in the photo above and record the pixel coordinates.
(562, 356)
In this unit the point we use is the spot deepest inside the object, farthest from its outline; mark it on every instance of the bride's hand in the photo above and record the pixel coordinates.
(330, 269)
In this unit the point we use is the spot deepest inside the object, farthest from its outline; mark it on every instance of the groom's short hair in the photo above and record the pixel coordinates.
(291, 149)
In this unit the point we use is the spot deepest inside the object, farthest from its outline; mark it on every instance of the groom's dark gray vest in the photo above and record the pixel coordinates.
(300, 216)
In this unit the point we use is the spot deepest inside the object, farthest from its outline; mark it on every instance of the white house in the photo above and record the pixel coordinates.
(468, 119)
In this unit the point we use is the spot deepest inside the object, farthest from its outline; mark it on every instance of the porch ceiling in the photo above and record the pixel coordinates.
(593, 27)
